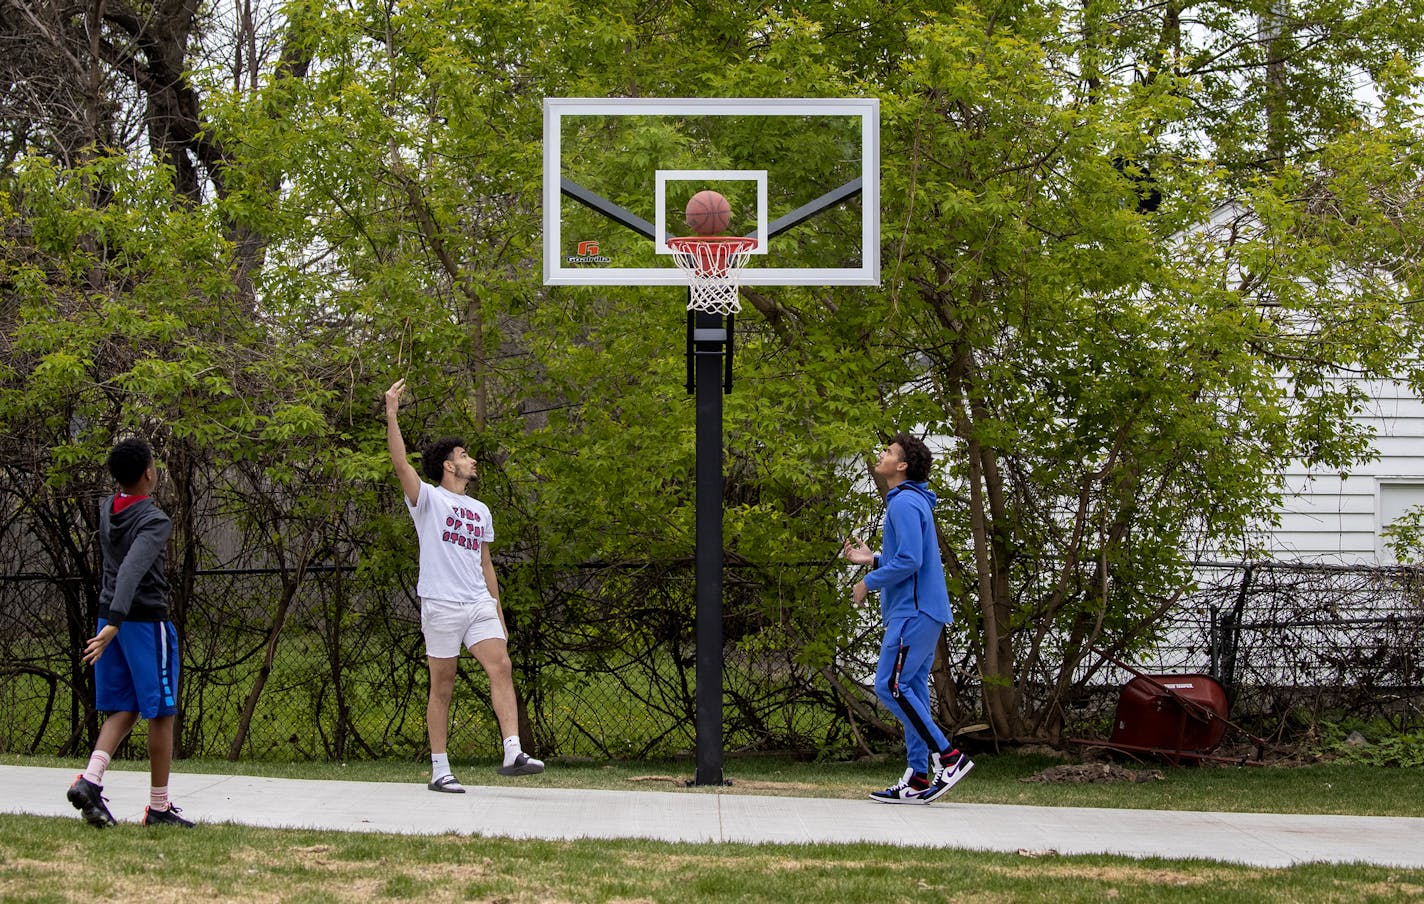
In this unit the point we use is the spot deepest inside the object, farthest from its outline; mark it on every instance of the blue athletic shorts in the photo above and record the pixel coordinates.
(138, 672)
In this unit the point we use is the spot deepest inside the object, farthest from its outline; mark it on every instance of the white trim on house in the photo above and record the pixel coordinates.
(1394, 495)
(1332, 518)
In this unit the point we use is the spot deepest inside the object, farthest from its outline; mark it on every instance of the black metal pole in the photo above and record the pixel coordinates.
(710, 339)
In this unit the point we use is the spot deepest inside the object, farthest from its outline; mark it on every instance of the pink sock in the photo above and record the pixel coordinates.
(158, 798)
(98, 762)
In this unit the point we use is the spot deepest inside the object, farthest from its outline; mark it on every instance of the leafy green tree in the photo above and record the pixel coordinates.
(1131, 250)
(1126, 373)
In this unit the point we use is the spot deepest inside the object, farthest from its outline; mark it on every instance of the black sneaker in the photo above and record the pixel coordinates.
(88, 799)
(953, 766)
(168, 817)
(907, 790)
(524, 764)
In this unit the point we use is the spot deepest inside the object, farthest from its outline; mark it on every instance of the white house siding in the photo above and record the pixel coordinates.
(1332, 518)
(1327, 517)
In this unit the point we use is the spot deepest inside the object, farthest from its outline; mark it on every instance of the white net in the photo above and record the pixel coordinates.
(713, 264)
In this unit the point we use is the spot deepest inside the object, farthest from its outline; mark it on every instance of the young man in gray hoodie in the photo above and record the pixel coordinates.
(914, 607)
(135, 652)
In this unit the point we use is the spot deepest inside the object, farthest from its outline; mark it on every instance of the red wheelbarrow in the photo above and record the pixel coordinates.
(1179, 718)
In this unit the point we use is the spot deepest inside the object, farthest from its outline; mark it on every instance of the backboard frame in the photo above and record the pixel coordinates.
(557, 272)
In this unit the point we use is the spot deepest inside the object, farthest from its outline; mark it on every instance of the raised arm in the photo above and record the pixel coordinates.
(409, 480)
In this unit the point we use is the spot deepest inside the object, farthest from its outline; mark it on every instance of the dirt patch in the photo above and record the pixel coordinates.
(118, 888)
(311, 857)
(1382, 890)
(320, 857)
(670, 862)
(1092, 773)
(1128, 875)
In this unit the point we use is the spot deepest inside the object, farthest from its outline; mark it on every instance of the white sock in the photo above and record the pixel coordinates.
(158, 798)
(98, 762)
(439, 765)
(512, 750)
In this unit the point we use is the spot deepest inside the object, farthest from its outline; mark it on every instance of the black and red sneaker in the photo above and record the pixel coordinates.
(168, 817)
(88, 799)
(952, 767)
(906, 791)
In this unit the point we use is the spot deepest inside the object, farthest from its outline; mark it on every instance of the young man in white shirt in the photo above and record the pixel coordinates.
(459, 594)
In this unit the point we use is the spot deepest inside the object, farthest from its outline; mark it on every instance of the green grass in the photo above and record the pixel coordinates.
(57, 861)
(62, 860)
(1334, 788)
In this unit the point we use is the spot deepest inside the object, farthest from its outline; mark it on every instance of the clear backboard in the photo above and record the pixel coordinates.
(802, 176)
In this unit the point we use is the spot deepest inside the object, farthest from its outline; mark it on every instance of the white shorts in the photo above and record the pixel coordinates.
(448, 625)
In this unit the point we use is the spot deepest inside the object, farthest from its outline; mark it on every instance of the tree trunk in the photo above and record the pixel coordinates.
(274, 635)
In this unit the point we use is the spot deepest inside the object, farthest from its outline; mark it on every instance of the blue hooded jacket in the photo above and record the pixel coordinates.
(908, 572)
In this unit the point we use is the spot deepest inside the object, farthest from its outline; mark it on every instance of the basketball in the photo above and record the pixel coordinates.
(708, 213)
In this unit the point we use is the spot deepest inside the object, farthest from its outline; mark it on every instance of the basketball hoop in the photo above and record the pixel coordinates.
(713, 264)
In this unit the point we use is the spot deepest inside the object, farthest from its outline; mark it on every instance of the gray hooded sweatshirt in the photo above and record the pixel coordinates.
(134, 543)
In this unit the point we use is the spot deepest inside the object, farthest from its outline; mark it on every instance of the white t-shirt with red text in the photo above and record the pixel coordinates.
(453, 531)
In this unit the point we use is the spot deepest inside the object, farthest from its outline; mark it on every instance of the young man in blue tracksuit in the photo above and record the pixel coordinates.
(914, 607)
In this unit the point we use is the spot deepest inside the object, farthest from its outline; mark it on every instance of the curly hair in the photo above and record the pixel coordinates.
(128, 460)
(434, 456)
(916, 456)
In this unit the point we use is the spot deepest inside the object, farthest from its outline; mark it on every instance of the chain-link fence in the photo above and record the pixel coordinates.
(1296, 641)
(327, 664)
(1292, 644)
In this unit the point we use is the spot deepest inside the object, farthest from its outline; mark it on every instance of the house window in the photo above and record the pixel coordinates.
(1393, 499)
